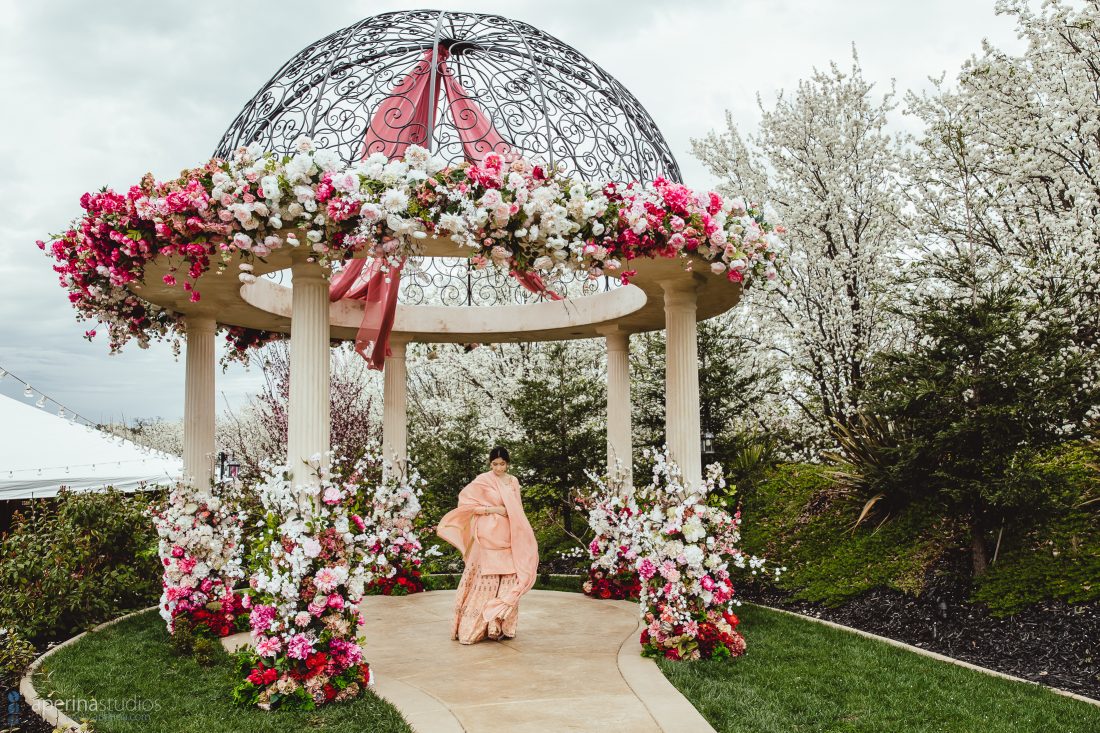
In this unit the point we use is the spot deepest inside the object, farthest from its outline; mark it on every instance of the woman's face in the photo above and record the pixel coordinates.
(499, 466)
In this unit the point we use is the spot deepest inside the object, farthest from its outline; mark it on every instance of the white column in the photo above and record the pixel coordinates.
(682, 378)
(395, 409)
(619, 444)
(198, 402)
(308, 411)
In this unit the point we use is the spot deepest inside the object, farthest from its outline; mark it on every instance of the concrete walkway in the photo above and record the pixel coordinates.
(573, 666)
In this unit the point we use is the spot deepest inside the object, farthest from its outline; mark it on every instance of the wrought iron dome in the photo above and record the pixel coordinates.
(542, 97)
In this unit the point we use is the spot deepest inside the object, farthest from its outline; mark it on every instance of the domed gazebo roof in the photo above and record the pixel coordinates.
(543, 98)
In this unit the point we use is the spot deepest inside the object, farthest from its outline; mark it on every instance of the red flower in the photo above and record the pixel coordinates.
(316, 663)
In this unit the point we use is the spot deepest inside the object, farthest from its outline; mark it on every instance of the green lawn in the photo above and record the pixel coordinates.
(130, 668)
(801, 677)
(797, 677)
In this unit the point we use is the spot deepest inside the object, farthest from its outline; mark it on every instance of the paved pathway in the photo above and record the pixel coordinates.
(573, 666)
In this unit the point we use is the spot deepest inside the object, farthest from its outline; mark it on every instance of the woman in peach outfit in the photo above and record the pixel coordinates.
(498, 546)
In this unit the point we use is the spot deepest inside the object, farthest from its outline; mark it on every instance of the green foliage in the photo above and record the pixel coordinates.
(799, 518)
(76, 561)
(801, 676)
(207, 651)
(961, 416)
(794, 518)
(1054, 554)
(561, 415)
(182, 639)
(447, 460)
(189, 641)
(16, 654)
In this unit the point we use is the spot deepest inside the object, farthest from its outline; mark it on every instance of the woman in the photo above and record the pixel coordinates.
(498, 545)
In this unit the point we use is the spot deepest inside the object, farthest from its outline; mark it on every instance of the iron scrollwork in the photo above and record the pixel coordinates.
(543, 97)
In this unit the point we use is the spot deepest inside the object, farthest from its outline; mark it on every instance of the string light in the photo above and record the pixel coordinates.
(75, 417)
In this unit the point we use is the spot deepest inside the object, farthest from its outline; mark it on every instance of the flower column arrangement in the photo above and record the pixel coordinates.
(613, 517)
(200, 549)
(311, 568)
(681, 548)
(389, 504)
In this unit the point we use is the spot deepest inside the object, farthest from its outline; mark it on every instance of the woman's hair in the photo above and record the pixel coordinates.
(499, 452)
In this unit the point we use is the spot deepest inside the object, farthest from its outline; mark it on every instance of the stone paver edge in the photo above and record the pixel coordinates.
(45, 708)
(670, 710)
(932, 654)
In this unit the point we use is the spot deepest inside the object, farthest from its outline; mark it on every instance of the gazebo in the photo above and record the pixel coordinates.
(547, 101)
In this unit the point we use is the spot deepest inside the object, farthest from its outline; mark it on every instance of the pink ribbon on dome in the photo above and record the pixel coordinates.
(405, 118)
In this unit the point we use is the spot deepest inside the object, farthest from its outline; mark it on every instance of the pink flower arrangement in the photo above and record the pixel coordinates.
(200, 546)
(305, 593)
(680, 549)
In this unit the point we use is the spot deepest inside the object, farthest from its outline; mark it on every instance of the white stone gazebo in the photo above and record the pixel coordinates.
(534, 95)
(662, 295)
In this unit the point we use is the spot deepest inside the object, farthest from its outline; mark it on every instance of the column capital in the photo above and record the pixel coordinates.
(199, 322)
(304, 265)
(680, 291)
(397, 348)
(618, 339)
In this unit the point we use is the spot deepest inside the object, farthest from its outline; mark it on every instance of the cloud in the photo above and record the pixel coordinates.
(99, 93)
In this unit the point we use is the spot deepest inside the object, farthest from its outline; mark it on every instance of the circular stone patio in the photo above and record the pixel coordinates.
(575, 665)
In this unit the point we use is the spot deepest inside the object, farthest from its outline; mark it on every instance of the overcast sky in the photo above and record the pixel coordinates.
(99, 93)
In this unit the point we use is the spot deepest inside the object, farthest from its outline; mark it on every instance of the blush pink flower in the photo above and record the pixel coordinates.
(299, 647)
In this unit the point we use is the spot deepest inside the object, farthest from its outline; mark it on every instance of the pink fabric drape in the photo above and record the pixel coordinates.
(533, 282)
(365, 280)
(402, 119)
(501, 545)
(475, 129)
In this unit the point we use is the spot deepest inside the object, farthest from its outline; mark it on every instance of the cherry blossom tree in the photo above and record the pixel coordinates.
(825, 160)
(1007, 169)
(257, 434)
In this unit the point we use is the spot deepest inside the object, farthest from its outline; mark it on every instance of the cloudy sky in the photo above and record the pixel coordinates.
(99, 93)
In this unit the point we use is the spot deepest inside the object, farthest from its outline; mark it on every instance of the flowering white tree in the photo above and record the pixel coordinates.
(1007, 170)
(824, 159)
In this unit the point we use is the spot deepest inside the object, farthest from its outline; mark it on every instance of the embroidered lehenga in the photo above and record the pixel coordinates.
(501, 557)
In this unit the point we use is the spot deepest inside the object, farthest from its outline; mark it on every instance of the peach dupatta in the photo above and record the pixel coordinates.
(490, 539)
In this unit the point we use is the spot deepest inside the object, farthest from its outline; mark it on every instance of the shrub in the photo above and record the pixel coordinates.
(992, 382)
(803, 523)
(1051, 555)
(81, 559)
(16, 654)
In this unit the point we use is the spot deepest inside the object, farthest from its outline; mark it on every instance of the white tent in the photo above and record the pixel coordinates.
(40, 452)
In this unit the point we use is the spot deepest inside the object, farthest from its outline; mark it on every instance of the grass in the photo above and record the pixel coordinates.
(801, 677)
(130, 674)
(797, 677)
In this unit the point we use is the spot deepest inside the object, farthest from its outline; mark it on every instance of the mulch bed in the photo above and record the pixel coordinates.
(1052, 643)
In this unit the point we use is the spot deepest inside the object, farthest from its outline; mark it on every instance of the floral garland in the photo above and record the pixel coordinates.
(200, 548)
(681, 549)
(311, 569)
(512, 214)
